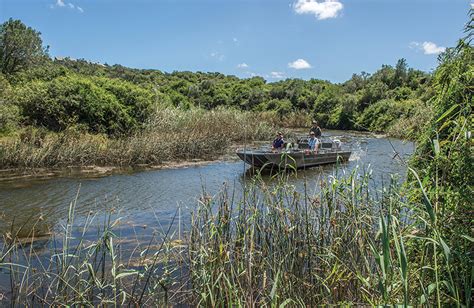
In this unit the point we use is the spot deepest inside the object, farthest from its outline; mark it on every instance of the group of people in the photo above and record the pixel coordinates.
(313, 140)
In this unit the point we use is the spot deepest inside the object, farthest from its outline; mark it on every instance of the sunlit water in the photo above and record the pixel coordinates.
(150, 198)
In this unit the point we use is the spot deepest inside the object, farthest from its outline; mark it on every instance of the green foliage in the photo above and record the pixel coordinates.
(335, 106)
(103, 105)
(444, 162)
(118, 100)
(450, 127)
(9, 113)
(20, 46)
(9, 117)
(383, 114)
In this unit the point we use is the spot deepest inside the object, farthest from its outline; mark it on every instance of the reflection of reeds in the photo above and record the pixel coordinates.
(84, 272)
(274, 246)
(172, 134)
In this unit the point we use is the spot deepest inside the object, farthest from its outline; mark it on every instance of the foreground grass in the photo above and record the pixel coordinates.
(172, 134)
(346, 244)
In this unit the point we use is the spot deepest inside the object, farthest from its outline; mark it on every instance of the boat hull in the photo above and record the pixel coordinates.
(292, 159)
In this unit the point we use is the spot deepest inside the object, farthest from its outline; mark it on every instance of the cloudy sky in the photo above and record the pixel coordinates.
(326, 39)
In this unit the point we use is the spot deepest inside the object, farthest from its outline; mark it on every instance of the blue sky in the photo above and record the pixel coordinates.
(326, 39)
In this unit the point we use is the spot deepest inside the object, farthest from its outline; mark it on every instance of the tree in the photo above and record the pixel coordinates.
(20, 46)
(400, 76)
(9, 113)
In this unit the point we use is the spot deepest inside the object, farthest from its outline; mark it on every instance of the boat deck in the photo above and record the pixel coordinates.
(292, 158)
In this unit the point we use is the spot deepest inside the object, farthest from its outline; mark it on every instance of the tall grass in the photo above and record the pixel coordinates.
(172, 134)
(86, 271)
(347, 244)
(274, 245)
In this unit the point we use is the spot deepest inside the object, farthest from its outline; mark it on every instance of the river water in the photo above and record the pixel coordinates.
(149, 198)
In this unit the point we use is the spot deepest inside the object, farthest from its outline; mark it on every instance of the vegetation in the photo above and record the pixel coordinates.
(349, 244)
(20, 46)
(38, 93)
(170, 135)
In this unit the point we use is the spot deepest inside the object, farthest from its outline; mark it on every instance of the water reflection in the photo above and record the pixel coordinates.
(151, 197)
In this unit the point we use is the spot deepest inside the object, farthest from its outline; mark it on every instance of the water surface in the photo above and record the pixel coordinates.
(148, 198)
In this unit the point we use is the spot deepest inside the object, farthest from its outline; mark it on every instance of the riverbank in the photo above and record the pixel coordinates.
(226, 154)
(171, 136)
(85, 172)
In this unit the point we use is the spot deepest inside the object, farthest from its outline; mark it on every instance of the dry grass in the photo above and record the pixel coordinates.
(171, 135)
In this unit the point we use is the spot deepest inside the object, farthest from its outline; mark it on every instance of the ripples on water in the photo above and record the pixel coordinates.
(152, 197)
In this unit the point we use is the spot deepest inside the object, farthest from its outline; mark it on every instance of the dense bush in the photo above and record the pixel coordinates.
(9, 113)
(58, 93)
(104, 105)
(9, 117)
(384, 113)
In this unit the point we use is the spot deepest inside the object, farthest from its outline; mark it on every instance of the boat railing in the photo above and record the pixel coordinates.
(325, 146)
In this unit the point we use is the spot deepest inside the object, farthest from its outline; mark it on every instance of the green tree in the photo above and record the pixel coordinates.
(9, 113)
(401, 71)
(104, 105)
(20, 46)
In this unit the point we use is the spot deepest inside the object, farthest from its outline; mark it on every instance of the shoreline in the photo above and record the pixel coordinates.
(97, 171)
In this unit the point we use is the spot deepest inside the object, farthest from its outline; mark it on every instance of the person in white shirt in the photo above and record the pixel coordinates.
(313, 142)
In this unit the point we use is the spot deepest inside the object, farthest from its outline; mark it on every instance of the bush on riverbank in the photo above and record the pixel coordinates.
(116, 100)
(102, 105)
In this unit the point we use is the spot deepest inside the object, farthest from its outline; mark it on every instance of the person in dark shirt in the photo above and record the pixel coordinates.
(278, 142)
(316, 130)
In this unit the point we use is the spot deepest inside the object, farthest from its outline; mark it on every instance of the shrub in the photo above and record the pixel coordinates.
(9, 117)
(9, 113)
(384, 113)
(104, 105)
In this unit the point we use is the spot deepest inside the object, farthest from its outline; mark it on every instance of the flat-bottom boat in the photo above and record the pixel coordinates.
(329, 153)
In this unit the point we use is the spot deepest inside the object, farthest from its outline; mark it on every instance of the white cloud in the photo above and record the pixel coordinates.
(277, 75)
(235, 40)
(299, 64)
(217, 55)
(321, 10)
(428, 48)
(242, 65)
(62, 4)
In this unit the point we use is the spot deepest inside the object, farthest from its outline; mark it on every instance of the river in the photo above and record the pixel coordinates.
(147, 199)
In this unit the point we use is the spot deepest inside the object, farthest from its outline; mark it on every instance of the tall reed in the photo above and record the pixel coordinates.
(82, 269)
(346, 244)
(342, 242)
(171, 135)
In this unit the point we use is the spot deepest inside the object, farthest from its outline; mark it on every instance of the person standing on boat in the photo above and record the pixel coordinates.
(278, 143)
(313, 142)
(316, 130)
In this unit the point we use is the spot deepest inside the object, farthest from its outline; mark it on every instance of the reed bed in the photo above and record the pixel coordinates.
(348, 244)
(171, 135)
(273, 245)
(87, 270)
